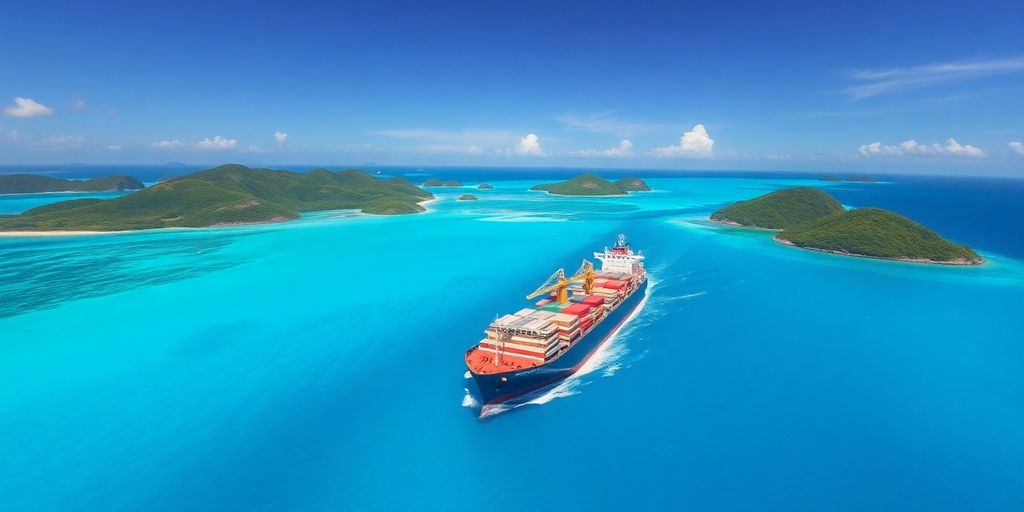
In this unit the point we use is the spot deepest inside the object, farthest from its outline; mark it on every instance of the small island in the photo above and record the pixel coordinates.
(485, 186)
(830, 178)
(593, 185)
(780, 209)
(37, 184)
(877, 233)
(434, 182)
(226, 195)
(812, 219)
(633, 185)
(862, 179)
(467, 197)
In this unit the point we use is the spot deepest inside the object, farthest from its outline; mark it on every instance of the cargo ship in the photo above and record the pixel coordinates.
(539, 346)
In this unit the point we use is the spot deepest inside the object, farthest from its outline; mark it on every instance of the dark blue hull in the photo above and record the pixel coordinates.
(501, 387)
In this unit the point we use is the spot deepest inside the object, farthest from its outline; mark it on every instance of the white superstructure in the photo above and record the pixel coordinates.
(620, 258)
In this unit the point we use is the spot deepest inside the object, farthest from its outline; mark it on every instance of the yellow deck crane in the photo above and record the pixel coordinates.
(559, 284)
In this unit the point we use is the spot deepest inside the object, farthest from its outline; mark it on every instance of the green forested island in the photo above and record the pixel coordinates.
(633, 185)
(779, 209)
(812, 219)
(35, 184)
(434, 182)
(229, 194)
(877, 233)
(593, 185)
(485, 186)
(467, 197)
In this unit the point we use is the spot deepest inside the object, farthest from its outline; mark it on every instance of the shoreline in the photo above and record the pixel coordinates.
(732, 224)
(276, 220)
(68, 192)
(585, 195)
(957, 263)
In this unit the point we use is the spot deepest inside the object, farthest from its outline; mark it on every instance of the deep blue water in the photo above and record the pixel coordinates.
(316, 365)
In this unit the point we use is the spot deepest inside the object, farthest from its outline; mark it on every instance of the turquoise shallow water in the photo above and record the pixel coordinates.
(316, 365)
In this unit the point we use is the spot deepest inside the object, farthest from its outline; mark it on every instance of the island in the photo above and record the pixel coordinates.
(226, 195)
(830, 178)
(862, 179)
(877, 233)
(633, 185)
(467, 197)
(810, 218)
(780, 209)
(37, 184)
(592, 185)
(434, 182)
(485, 186)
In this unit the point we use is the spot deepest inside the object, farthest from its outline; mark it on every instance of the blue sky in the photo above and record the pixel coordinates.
(861, 86)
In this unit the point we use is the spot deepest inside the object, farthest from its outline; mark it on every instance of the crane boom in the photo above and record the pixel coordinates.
(559, 284)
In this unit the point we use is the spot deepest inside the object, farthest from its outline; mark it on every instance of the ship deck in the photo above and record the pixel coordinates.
(481, 362)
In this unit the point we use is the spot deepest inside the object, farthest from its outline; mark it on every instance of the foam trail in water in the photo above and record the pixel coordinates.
(468, 400)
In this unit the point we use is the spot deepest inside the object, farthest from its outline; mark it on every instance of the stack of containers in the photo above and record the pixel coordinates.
(568, 327)
(536, 338)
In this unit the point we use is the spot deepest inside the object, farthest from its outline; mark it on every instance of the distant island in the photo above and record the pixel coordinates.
(226, 195)
(862, 179)
(485, 186)
(36, 184)
(812, 219)
(593, 185)
(467, 197)
(780, 209)
(433, 182)
(852, 179)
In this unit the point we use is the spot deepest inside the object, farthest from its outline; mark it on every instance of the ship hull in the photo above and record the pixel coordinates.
(501, 387)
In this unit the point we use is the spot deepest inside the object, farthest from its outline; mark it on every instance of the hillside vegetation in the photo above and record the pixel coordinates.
(35, 184)
(877, 233)
(779, 209)
(229, 194)
(592, 185)
(633, 185)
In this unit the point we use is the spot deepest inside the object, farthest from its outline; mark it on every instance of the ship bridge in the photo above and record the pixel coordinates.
(620, 258)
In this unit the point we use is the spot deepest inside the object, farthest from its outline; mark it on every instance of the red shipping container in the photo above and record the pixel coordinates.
(593, 300)
(614, 285)
(577, 309)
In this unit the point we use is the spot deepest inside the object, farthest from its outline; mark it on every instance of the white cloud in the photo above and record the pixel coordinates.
(529, 145)
(624, 149)
(695, 142)
(26, 107)
(877, 82)
(911, 147)
(1017, 147)
(280, 137)
(167, 144)
(252, 149)
(79, 105)
(217, 143)
(114, 147)
(954, 147)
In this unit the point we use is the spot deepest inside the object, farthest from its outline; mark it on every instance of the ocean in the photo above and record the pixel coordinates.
(317, 364)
